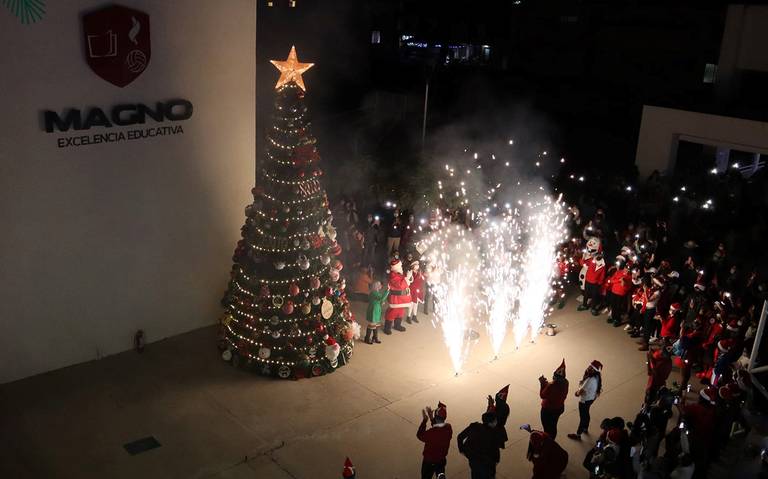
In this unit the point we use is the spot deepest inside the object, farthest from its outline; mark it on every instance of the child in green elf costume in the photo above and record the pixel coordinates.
(376, 299)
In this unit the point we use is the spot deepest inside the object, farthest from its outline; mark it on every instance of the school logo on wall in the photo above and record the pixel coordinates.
(117, 46)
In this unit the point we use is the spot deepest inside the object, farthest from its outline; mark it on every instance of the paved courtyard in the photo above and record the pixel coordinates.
(214, 421)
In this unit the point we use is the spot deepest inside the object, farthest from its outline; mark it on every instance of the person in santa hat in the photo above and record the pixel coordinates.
(436, 439)
(651, 293)
(619, 285)
(349, 470)
(728, 351)
(590, 387)
(659, 368)
(553, 394)
(498, 405)
(399, 300)
(715, 333)
(417, 293)
(670, 325)
(548, 458)
(699, 419)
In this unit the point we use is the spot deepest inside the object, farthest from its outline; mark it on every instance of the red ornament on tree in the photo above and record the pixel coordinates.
(293, 289)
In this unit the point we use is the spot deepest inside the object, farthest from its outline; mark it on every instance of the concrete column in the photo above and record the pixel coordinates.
(727, 80)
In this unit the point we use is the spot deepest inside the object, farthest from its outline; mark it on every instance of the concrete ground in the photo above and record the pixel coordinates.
(214, 421)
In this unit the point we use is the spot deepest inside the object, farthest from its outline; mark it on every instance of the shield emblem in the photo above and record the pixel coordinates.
(117, 46)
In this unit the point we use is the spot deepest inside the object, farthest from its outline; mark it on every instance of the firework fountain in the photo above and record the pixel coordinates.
(546, 230)
(499, 285)
(497, 267)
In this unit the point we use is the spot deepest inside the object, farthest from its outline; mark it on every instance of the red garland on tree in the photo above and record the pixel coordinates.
(286, 314)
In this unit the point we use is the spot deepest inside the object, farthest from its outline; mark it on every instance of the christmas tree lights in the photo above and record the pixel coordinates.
(286, 312)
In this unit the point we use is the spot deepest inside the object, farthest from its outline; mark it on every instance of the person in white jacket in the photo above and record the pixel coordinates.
(590, 387)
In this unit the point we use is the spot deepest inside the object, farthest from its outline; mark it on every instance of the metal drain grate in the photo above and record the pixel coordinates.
(141, 445)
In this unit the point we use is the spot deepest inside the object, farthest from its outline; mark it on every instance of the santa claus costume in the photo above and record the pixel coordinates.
(399, 300)
(417, 293)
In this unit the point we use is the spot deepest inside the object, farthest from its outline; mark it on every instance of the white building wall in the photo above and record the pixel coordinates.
(99, 241)
(662, 128)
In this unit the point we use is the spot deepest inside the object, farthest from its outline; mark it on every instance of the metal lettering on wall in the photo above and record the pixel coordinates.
(119, 115)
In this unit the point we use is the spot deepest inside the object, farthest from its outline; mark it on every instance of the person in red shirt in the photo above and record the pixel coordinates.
(399, 299)
(436, 439)
(670, 326)
(619, 285)
(553, 396)
(659, 369)
(593, 280)
(417, 293)
(548, 458)
(699, 419)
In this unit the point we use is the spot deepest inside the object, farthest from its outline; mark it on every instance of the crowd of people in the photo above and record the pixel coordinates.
(688, 302)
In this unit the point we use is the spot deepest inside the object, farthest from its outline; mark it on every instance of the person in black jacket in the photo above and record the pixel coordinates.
(480, 443)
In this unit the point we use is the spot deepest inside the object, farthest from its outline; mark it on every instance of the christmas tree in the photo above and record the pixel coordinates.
(286, 313)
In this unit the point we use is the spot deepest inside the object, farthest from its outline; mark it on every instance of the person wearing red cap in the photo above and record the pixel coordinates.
(553, 394)
(436, 439)
(548, 458)
(399, 300)
(349, 470)
(590, 387)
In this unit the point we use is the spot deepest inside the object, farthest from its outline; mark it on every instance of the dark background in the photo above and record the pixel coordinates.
(568, 76)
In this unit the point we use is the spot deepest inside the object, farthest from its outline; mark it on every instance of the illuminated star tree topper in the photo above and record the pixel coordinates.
(291, 70)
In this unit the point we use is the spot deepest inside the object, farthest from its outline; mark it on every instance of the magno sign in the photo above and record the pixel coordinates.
(117, 48)
(127, 114)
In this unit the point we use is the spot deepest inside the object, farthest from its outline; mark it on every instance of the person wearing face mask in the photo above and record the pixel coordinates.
(480, 443)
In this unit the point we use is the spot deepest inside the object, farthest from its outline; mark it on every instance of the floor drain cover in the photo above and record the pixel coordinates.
(141, 445)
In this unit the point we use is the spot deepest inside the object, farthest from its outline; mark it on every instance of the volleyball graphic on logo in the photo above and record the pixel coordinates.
(136, 61)
(117, 43)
